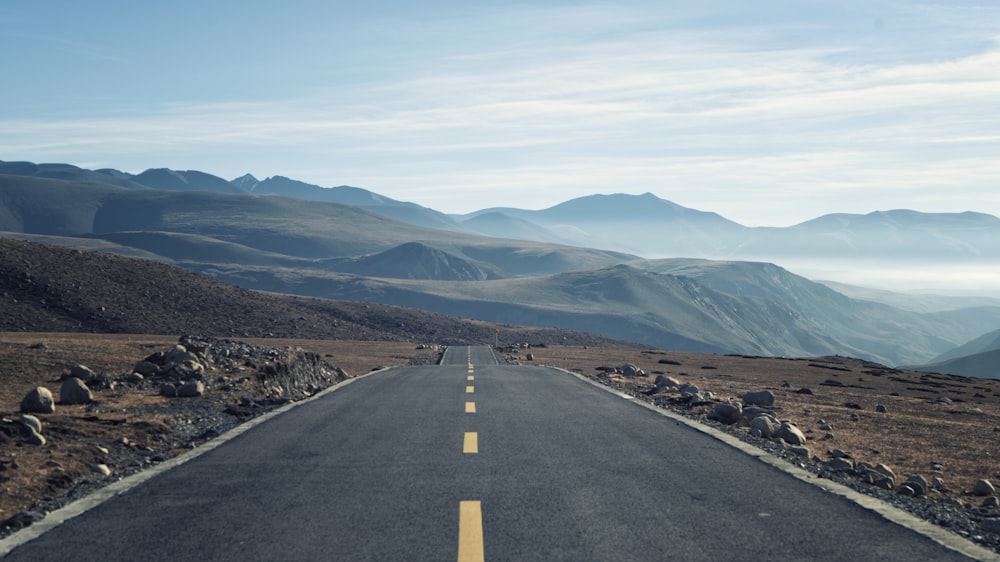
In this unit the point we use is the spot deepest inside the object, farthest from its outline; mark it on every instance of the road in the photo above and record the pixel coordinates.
(468, 461)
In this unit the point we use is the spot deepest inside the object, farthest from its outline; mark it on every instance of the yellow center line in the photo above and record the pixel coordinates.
(470, 389)
(470, 532)
(471, 444)
(470, 407)
(471, 378)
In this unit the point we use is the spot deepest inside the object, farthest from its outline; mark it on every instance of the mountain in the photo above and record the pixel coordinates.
(51, 289)
(347, 195)
(978, 358)
(414, 260)
(190, 180)
(914, 302)
(899, 235)
(68, 172)
(985, 343)
(641, 224)
(500, 225)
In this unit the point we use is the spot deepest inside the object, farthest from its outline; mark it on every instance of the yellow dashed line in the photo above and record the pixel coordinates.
(470, 532)
(471, 444)
(470, 407)
(470, 389)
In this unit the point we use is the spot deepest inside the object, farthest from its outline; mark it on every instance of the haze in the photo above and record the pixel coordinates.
(769, 113)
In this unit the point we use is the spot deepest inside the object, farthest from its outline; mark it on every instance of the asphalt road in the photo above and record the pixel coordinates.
(542, 466)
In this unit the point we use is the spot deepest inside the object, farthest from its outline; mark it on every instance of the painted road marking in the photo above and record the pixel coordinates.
(470, 532)
(471, 444)
(471, 378)
(470, 407)
(470, 389)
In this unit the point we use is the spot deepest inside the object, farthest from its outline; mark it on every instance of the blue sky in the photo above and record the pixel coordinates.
(768, 112)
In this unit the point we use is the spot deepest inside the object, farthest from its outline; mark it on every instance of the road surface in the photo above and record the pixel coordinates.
(472, 460)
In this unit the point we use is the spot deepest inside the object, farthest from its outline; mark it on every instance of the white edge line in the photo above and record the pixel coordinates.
(891, 513)
(105, 493)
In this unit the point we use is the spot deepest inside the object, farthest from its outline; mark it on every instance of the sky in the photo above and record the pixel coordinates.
(768, 112)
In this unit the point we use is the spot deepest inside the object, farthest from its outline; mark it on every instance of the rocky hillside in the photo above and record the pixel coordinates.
(50, 289)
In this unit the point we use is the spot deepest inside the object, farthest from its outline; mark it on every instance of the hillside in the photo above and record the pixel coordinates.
(51, 289)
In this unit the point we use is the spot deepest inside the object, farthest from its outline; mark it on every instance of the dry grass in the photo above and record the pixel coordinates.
(912, 437)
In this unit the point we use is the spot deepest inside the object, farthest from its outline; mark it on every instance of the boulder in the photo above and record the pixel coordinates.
(191, 389)
(800, 450)
(984, 488)
(938, 484)
(755, 412)
(764, 426)
(32, 422)
(663, 381)
(73, 391)
(38, 401)
(918, 483)
(630, 370)
(840, 465)
(881, 409)
(791, 434)
(688, 390)
(991, 502)
(759, 398)
(81, 372)
(883, 469)
(146, 368)
(102, 469)
(168, 390)
(727, 412)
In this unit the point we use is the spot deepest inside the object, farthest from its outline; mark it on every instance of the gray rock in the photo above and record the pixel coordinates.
(906, 490)
(800, 450)
(991, 525)
(663, 381)
(791, 434)
(191, 389)
(146, 368)
(764, 426)
(133, 378)
(727, 412)
(991, 502)
(82, 372)
(759, 398)
(885, 470)
(755, 412)
(840, 465)
(688, 391)
(881, 409)
(38, 401)
(918, 483)
(840, 454)
(629, 370)
(73, 391)
(168, 390)
(102, 469)
(938, 484)
(984, 488)
(32, 422)
(804, 390)
(34, 437)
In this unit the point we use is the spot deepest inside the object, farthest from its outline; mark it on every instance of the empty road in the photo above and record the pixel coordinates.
(472, 460)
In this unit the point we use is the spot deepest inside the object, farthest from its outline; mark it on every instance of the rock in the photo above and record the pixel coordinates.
(918, 483)
(146, 368)
(804, 390)
(984, 488)
(991, 502)
(38, 401)
(755, 412)
(840, 454)
(906, 490)
(727, 412)
(791, 434)
(800, 450)
(991, 525)
(529, 357)
(938, 484)
(34, 437)
(178, 354)
(853, 406)
(663, 381)
(73, 391)
(688, 390)
(764, 426)
(133, 378)
(881, 409)
(840, 465)
(191, 389)
(941, 400)
(629, 370)
(883, 469)
(759, 398)
(168, 390)
(81, 372)
(102, 469)
(32, 422)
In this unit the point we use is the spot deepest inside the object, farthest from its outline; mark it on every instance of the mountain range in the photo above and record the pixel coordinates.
(584, 264)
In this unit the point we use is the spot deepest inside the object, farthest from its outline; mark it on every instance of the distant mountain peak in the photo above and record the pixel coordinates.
(246, 182)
